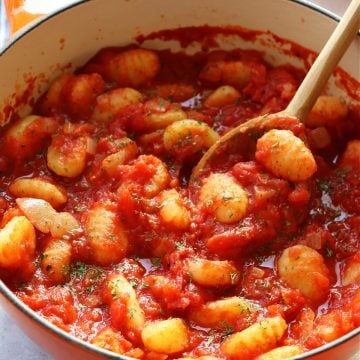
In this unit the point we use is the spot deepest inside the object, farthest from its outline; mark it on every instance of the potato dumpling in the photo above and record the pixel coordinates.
(161, 118)
(121, 289)
(222, 96)
(234, 73)
(166, 336)
(327, 111)
(17, 242)
(160, 178)
(350, 159)
(281, 353)
(112, 102)
(56, 260)
(186, 137)
(67, 155)
(134, 67)
(80, 92)
(285, 155)
(27, 136)
(255, 340)
(40, 189)
(106, 235)
(53, 101)
(303, 268)
(351, 273)
(128, 150)
(111, 340)
(212, 272)
(172, 210)
(216, 313)
(224, 198)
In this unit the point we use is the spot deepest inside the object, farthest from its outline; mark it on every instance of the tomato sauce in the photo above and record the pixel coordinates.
(152, 247)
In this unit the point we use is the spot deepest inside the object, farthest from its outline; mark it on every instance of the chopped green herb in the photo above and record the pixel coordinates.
(156, 261)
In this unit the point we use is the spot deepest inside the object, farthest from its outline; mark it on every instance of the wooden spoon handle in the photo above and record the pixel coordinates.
(323, 66)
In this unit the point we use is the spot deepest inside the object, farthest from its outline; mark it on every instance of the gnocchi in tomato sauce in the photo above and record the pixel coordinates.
(107, 234)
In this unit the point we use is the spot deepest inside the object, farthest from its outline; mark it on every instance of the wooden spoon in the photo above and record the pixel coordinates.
(309, 89)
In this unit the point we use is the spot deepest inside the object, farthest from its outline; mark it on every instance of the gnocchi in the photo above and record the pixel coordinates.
(351, 272)
(27, 136)
(285, 155)
(166, 336)
(186, 137)
(327, 111)
(127, 151)
(111, 340)
(172, 210)
(17, 242)
(67, 155)
(351, 157)
(121, 289)
(133, 67)
(213, 272)
(303, 268)
(222, 96)
(40, 189)
(225, 311)
(160, 118)
(56, 260)
(109, 104)
(223, 197)
(106, 235)
(256, 339)
(281, 353)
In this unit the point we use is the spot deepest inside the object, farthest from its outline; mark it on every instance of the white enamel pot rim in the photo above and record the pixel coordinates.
(12, 299)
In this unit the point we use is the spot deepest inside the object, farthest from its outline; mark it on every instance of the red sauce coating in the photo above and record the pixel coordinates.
(147, 230)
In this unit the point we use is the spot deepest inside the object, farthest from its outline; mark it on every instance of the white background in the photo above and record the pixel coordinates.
(14, 345)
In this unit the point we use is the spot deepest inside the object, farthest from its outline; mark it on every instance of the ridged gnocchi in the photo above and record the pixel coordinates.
(133, 67)
(172, 210)
(327, 111)
(350, 159)
(281, 353)
(159, 178)
(225, 311)
(166, 336)
(303, 268)
(56, 260)
(27, 136)
(212, 272)
(186, 137)
(17, 243)
(120, 289)
(40, 189)
(222, 96)
(351, 273)
(112, 102)
(128, 150)
(161, 117)
(67, 154)
(255, 340)
(234, 73)
(105, 234)
(79, 94)
(224, 198)
(285, 155)
(111, 340)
